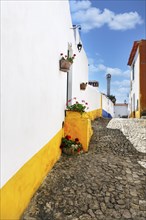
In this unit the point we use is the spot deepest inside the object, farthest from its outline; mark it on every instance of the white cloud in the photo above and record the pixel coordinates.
(119, 88)
(121, 94)
(126, 73)
(92, 68)
(79, 5)
(123, 90)
(120, 98)
(114, 71)
(122, 83)
(99, 59)
(90, 17)
(100, 68)
(125, 21)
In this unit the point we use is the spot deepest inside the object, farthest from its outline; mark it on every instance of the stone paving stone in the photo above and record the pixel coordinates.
(105, 183)
(133, 129)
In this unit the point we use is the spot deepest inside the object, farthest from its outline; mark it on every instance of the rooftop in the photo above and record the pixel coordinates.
(133, 51)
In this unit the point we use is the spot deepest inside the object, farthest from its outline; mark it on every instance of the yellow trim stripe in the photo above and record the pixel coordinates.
(17, 192)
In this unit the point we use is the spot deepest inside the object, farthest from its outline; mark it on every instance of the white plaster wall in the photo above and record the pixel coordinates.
(111, 108)
(104, 104)
(107, 105)
(93, 98)
(90, 96)
(135, 82)
(33, 88)
(121, 111)
(129, 104)
(130, 94)
(79, 74)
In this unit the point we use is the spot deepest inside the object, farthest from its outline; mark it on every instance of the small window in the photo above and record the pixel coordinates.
(137, 105)
(133, 102)
(133, 71)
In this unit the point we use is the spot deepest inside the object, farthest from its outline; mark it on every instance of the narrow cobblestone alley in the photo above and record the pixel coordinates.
(106, 183)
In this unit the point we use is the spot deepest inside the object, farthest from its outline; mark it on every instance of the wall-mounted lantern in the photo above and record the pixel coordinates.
(79, 46)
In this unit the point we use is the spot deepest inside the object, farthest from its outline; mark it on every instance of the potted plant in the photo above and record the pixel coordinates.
(71, 147)
(83, 86)
(77, 107)
(66, 62)
(77, 122)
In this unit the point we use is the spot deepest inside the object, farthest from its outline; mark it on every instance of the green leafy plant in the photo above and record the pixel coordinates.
(112, 98)
(70, 147)
(79, 107)
(68, 58)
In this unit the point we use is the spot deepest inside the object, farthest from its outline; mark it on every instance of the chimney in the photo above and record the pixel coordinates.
(108, 77)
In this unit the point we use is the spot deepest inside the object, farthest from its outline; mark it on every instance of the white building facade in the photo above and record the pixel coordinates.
(34, 94)
(137, 95)
(134, 79)
(121, 110)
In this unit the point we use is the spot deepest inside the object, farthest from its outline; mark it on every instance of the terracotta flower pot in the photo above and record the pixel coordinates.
(65, 65)
(83, 86)
(69, 151)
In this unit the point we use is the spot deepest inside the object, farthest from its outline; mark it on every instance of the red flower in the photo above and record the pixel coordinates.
(76, 102)
(68, 137)
(75, 98)
(79, 150)
(69, 100)
(76, 140)
(61, 54)
(74, 55)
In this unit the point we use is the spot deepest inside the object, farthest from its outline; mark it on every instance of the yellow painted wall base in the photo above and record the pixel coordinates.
(131, 115)
(78, 126)
(17, 192)
(95, 114)
(135, 115)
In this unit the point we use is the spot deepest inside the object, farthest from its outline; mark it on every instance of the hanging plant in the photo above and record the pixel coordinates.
(66, 62)
(83, 86)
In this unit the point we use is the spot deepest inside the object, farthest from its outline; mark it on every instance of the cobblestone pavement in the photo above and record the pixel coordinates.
(105, 183)
(135, 131)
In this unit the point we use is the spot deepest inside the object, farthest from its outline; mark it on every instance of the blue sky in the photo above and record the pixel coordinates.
(109, 29)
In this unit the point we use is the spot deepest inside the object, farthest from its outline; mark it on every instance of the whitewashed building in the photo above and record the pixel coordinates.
(121, 110)
(137, 96)
(34, 94)
(107, 107)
